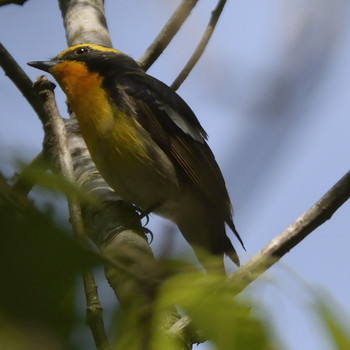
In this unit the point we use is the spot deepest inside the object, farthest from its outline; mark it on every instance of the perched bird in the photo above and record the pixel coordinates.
(146, 142)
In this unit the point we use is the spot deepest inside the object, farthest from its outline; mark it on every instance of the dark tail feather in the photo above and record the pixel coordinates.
(233, 256)
(231, 225)
(224, 246)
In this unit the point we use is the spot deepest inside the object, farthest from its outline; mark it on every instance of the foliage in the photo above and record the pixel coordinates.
(39, 264)
(208, 300)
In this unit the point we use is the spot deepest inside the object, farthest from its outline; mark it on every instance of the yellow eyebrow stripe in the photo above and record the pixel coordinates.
(92, 46)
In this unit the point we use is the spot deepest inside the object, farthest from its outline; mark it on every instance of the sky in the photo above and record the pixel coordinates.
(271, 91)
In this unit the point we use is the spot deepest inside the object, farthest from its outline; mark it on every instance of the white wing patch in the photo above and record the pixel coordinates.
(186, 127)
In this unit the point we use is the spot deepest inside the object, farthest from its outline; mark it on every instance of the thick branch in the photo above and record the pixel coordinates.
(85, 22)
(167, 33)
(201, 46)
(320, 212)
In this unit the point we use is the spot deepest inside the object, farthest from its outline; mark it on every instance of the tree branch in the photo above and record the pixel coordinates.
(320, 212)
(21, 80)
(14, 2)
(44, 89)
(201, 46)
(85, 22)
(167, 33)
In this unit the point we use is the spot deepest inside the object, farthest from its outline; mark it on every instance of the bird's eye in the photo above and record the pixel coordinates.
(81, 50)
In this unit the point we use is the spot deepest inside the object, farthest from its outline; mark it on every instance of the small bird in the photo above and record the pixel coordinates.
(146, 142)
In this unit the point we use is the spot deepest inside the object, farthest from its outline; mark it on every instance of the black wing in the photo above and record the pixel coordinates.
(175, 128)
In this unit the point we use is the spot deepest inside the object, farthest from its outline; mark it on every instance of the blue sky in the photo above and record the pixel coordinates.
(271, 91)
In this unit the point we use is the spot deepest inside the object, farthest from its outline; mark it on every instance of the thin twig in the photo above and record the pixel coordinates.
(320, 212)
(14, 2)
(167, 33)
(16, 74)
(94, 308)
(201, 46)
(21, 80)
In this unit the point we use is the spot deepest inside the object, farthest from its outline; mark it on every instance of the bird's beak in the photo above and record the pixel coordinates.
(43, 65)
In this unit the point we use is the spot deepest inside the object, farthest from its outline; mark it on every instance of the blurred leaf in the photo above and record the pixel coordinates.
(135, 331)
(36, 174)
(208, 301)
(135, 326)
(39, 263)
(16, 336)
(338, 329)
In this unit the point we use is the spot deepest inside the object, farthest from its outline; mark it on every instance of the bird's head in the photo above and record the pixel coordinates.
(94, 58)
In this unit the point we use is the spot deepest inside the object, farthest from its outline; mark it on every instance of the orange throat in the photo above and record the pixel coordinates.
(84, 92)
(77, 81)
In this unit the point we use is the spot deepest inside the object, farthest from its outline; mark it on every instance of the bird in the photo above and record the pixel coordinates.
(147, 143)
